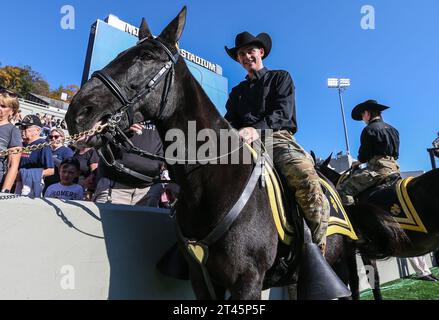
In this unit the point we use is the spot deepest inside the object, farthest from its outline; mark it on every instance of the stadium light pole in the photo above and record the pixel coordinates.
(341, 85)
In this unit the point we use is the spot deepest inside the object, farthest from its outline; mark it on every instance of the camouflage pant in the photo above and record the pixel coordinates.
(297, 166)
(377, 169)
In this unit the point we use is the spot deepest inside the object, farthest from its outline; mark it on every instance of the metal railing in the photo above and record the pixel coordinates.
(433, 153)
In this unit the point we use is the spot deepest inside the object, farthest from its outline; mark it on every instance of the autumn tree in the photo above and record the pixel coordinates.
(23, 80)
(70, 90)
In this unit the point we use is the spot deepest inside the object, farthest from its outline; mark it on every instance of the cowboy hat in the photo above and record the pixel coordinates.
(369, 105)
(245, 38)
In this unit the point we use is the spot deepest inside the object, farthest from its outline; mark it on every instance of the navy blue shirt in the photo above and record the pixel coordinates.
(61, 153)
(41, 158)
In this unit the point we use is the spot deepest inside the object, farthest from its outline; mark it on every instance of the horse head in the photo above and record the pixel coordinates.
(324, 168)
(139, 84)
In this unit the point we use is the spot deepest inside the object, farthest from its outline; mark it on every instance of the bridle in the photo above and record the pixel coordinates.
(124, 115)
(166, 72)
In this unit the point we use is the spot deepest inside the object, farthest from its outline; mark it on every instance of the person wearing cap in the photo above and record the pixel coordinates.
(264, 105)
(39, 161)
(379, 149)
(10, 138)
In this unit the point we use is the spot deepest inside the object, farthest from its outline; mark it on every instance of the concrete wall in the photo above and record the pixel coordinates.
(110, 250)
(53, 249)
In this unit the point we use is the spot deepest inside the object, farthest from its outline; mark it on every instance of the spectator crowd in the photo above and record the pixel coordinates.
(76, 172)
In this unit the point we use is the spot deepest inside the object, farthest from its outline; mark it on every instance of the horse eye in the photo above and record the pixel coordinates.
(147, 56)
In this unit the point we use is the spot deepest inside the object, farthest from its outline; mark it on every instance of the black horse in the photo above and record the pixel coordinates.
(161, 88)
(381, 235)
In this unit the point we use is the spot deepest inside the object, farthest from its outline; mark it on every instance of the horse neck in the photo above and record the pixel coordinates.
(192, 104)
(331, 174)
(429, 180)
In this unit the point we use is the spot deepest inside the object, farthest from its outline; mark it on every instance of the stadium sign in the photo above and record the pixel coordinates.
(200, 61)
(128, 28)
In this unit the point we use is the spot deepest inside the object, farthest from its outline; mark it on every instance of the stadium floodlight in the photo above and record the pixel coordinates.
(332, 83)
(344, 83)
(341, 85)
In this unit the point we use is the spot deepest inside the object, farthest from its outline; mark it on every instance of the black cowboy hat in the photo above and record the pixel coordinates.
(369, 105)
(245, 38)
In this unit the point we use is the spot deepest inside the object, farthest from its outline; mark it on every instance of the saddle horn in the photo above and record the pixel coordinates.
(317, 280)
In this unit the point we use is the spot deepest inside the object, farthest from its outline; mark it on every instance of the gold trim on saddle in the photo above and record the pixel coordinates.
(410, 220)
(275, 198)
(337, 225)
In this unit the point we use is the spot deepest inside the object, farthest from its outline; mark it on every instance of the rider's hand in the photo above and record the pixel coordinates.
(137, 128)
(249, 134)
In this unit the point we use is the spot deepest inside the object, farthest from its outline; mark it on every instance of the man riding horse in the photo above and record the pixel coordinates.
(379, 149)
(265, 101)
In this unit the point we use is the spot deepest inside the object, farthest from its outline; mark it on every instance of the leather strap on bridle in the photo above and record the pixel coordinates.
(167, 73)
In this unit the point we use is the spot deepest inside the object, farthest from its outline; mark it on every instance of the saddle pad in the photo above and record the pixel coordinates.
(338, 222)
(396, 200)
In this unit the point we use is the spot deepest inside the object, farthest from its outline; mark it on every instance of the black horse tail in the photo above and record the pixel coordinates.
(381, 236)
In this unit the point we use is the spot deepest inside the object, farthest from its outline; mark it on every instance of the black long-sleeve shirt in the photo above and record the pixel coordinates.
(264, 102)
(150, 141)
(378, 139)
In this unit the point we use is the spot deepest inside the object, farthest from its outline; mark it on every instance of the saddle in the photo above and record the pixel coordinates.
(289, 225)
(286, 211)
(288, 220)
(393, 197)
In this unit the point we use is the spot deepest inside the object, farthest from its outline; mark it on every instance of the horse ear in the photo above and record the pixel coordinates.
(144, 31)
(313, 155)
(327, 161)
(173, 31)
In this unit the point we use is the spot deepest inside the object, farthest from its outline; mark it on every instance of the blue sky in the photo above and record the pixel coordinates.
(397, 63)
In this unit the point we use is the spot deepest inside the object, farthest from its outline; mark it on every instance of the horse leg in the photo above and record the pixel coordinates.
(376, 289)
(292, 291)
(354, 280)
(199, 285)
(248, 286)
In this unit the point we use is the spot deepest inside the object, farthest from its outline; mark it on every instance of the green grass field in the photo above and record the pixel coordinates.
(407, 289)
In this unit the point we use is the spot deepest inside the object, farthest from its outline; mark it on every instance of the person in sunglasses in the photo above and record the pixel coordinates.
(10, 137)
(59, 153)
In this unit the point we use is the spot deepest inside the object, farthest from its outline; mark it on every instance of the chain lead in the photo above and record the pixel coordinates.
(67, 140)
